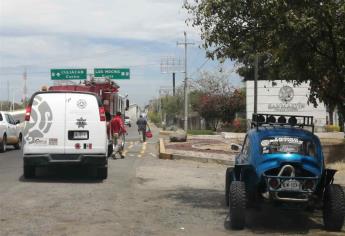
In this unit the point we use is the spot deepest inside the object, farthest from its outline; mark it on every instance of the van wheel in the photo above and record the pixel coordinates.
(19, 144)
(110, 150)
(334, 208)
(29, 172)
(237, 202)
(3, 144)
(102, 172)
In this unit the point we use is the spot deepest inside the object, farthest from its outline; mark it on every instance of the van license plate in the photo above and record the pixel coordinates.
(80, 135)
(290, 185)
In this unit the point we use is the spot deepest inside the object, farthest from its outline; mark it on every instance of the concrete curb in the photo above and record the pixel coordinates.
(163, 154)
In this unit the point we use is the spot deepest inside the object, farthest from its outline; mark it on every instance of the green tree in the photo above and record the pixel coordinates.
(305, 39)
(214, 98)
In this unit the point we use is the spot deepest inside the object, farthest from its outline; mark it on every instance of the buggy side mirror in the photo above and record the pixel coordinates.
(17, 122)
(235, 147)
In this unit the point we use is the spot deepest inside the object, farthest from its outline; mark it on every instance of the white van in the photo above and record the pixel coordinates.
(65, 128)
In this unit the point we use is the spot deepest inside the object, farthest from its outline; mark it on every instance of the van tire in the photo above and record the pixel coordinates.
(29, 172)
(102, 172)
(110, 150)
(3, 144)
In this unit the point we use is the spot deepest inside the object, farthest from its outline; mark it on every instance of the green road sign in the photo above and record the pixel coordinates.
(68, 74)
(112, 73)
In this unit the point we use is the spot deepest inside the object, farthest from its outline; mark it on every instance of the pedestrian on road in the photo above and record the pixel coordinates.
(142, 123)
(118, 133)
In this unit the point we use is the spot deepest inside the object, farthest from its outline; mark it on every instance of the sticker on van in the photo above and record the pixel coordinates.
(81, 103)
(81, 122)
(42, 116)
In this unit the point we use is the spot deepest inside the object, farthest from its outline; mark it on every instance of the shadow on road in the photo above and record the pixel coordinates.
(70, 174)
(199, 198)
(268, 220)
(276, 220)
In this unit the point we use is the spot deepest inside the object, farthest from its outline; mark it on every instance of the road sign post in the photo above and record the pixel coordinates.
(112, 73)
(68, 74)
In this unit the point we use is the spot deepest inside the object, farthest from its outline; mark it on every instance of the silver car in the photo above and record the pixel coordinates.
(11, 132)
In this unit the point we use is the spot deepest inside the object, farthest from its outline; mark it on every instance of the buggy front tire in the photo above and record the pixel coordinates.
(237, 204)
(334, 207)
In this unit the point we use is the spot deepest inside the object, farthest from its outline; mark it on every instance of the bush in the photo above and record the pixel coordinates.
(238, 125)
(332, 128)
(155, 118)
(201, 132)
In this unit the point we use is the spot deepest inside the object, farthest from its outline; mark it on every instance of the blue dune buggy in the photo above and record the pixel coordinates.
(280, 162)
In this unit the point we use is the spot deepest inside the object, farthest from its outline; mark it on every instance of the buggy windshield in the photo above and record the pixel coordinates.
(288, 145)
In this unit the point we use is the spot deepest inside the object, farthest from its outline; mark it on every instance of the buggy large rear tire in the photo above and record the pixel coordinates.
(227, 185)
(334, 207)
(237, 204)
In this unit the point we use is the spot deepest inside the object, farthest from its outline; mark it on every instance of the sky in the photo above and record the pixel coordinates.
(37, 35)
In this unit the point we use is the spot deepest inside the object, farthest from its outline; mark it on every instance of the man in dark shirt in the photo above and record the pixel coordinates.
(142, 123)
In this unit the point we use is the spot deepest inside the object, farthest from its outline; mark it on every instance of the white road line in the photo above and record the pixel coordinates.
(154, 155)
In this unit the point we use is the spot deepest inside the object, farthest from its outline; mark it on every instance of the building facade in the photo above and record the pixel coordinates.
(282, 97)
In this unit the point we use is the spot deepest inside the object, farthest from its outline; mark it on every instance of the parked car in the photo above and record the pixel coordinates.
(128, 121)
(65, 128)
(282, 163)
(10, 132)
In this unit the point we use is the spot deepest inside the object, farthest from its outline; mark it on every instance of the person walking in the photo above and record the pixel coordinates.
(118, 131)
(142, 123)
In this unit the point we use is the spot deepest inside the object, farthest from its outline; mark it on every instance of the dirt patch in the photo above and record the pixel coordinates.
(201, 145)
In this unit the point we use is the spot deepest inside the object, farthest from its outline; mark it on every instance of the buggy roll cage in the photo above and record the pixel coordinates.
(259, 120)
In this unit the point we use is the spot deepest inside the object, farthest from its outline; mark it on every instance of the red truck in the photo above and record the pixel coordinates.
(107, 90)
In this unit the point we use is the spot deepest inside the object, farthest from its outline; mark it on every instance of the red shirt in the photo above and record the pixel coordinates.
(117, 125)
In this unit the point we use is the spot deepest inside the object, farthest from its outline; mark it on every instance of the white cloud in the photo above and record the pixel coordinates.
(43, 34)
(134, 19)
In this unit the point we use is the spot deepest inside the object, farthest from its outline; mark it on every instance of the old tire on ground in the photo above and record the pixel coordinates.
(102, 172)
(29, 172)
(18, 145)
(237, 202)
(227, 185)
(334, 208)
(3, 144)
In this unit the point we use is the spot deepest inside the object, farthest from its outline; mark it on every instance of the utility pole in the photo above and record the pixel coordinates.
(174, 84)
(8, 90)
(185, 43)
(24, 87)
(256, 75)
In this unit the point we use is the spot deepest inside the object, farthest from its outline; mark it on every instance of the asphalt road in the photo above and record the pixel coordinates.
(142, 196)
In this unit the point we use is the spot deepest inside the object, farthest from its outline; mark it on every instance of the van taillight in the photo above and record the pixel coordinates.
(27, 113)
(102, 114)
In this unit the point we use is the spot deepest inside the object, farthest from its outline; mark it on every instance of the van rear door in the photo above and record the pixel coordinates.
(85, 132)
(44, 131)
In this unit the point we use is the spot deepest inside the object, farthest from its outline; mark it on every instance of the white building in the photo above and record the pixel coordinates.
(282, 97)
